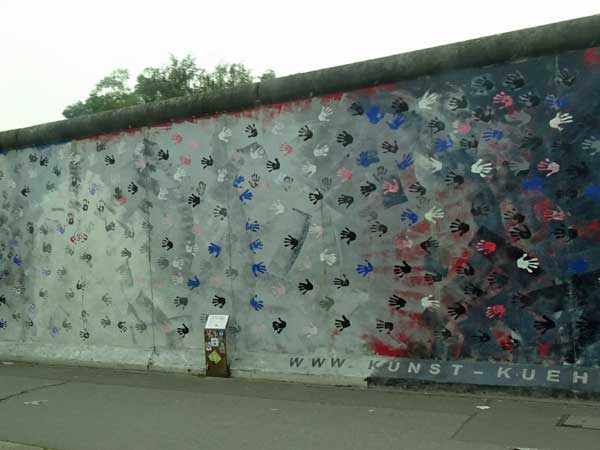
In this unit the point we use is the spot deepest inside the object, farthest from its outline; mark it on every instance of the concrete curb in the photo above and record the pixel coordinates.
(543, 40)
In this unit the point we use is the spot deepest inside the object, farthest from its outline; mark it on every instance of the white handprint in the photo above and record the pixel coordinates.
(309, 168)
(481, 168)
(179, 174)
(221, 175)
(326, 112)
(139, 148)
(32, 173)
(591, 144)
(321, 150)
(560, 119)
(225, 134)
(434, 165)
(257, 152)
(428, 99)
(191, 248)
(427, 302)
(162, 194)
(328, 258)
(316, 230)
(277, 127)
(528, 264)
(434, 213)
(277, 207)
(178, 263)
(310, 330)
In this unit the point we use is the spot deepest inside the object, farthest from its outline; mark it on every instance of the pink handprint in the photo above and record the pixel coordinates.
(185, 160)
(140, 164)
(486, 247)
(177, 138)
(495, 311)
(462, 127)
(547, 166)
(390, 187)
(504, 100)
(551, 214)
(286, 148)
(345, 173)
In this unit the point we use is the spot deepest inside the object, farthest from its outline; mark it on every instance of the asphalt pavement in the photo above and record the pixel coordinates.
(65, 408)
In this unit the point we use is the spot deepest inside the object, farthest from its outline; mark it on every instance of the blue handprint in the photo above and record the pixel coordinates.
(364, 269)
(54, 331)
(577, 265)
(246, 195)
(556, 103)
(193, 283)
(593, 192)
(237, 181)
(442, 145)
(488, 135)
(256, 245)
(93, 188)
(374, 114)
(367, 158)
(17, 260)
(214, 249)
(409, 214)
(406, 161)
(3, 324)
(61, 229)
(256, 303)
(258, 267)
(532, 184)
(252, 226)
(398, 120)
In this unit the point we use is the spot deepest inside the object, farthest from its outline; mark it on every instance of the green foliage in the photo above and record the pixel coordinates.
(180, 77)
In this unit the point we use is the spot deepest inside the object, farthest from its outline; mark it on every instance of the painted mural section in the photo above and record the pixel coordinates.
(452, 218)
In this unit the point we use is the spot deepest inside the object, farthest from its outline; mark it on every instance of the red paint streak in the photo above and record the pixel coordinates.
(382, 349)
(591, 56)
(123, 200)
(544, 350)
(177, 138)
(185, 160)
(541, 206)
(421, 227)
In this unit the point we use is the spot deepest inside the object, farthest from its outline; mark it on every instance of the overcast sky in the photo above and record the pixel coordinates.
(53, 52)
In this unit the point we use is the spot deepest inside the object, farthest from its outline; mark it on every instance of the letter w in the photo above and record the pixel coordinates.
(296, 362)
(337, 362)
(318, 362)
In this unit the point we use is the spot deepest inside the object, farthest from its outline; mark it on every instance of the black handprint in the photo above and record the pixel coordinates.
(43, 161)
(254, 181)
(122, 326)
(56, 171)
(458, 103)
(378, 228)
(25, 191)
(399, 105)
(473, 290)
(497, 279)
(389, 148)
(483, 115)
(314, 197)
(482, 337)
(125, 253)
(251, 130)
(417, 188)
(578, 171)
(466, 269)
(514, 80)
(180, 302)
(207, 162)
(326, 303)
(105, 322)
(467, 144)
(345, 200)
(305, 287)
(523, 299)
(357, 109)
(166, 243)
(479, 210)
(342, 324)
(339, 283)
(193, 200)
(520, 232)
(132, 188)
(109, 160)
(436, 125)
(454, 179)
(305, 133)
(459, 227)
(220, 212)
(183, 330)
(84, 334)
(565, 77)
(279, 325)
(514, 215)
(344, 138)
(403, 269)
(348, 234)
(384, 326)
(428, 244)
(530, 99)
(397, 302)
(431, 278)
(563, 232)
(457, 310)
(163, 155)
(367, 189)
(290, 242)
(482, 84)
(273, 165)
(141, 326)
(218, 301)
(544, 325)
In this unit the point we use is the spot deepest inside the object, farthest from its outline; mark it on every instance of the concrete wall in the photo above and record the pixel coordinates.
(441, 228)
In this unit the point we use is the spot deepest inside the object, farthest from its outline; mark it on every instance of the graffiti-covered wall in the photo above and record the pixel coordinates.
(445, 227)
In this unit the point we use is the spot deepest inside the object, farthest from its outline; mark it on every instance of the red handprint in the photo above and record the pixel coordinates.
(495, 311)
(486, 247)
(504, 100)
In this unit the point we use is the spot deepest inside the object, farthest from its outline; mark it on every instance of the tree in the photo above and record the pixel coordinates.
(180, 77)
